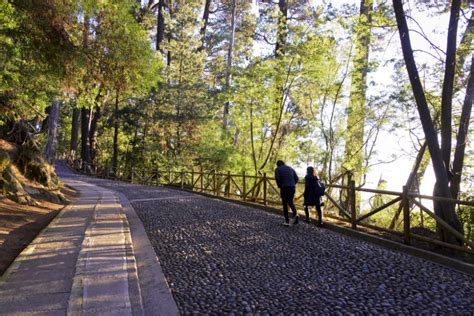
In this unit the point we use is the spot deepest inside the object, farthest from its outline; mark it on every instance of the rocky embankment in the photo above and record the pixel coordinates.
(25, 176)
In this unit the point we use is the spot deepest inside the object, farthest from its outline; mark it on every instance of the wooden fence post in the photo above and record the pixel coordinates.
(406, 216)
(169, 177)
(264, 188)
(227, 187)
(132, 178)
(215, 184)
(182, 179)
(347, 202)
(202, 179)
(244, 187)
(192, 179)
(352, 199)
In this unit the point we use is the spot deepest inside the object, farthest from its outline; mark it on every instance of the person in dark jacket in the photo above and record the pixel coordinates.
(312, 195)
(286, 180)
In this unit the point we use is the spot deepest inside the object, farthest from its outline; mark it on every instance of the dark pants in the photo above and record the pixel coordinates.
(287, 195)
(318, 209)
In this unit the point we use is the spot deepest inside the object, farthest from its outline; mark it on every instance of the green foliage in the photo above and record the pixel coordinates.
(170, 103)
(277, 100)
(214, 152)
(26, 79)
(181, 106)
(124, 53)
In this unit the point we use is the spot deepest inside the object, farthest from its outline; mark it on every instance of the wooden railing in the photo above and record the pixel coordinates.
(262, 189)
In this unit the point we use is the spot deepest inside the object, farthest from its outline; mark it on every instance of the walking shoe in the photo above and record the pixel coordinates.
(294, 220)
(286, 224)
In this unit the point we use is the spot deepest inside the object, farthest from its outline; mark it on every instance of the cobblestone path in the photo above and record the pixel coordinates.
(222, 258)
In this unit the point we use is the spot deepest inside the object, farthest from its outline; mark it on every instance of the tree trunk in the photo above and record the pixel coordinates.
(85, 150)
(116, 127)
(281, 28)
(229, 63)
(461, 138)
(85, 113)
(448, 84)
(354, 137)
(160, 26)
(447, 211)
(76, 116)
(169, 35)
(353, 153)
(92, 135)
(130, 157)
(205, 20)
(53, 119)
(282, 82)
(143, 141)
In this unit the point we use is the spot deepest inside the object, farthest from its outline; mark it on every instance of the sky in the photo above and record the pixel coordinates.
(390, 143)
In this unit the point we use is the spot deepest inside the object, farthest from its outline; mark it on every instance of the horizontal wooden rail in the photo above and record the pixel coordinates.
(440, 198)
(384, 192)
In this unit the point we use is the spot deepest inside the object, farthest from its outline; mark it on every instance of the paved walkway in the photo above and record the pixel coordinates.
(218, 258)
(222, 258)
(85, 262)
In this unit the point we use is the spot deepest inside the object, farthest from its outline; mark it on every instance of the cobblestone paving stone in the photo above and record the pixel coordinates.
(223, 258)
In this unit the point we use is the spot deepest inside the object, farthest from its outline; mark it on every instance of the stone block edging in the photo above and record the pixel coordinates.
(156, 294)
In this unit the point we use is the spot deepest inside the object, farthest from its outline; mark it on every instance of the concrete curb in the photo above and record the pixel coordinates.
(451, 263)
(134, 289)
(156, 295)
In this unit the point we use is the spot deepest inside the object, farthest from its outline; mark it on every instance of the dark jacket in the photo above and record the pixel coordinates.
(311, 196)
(285, 176)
